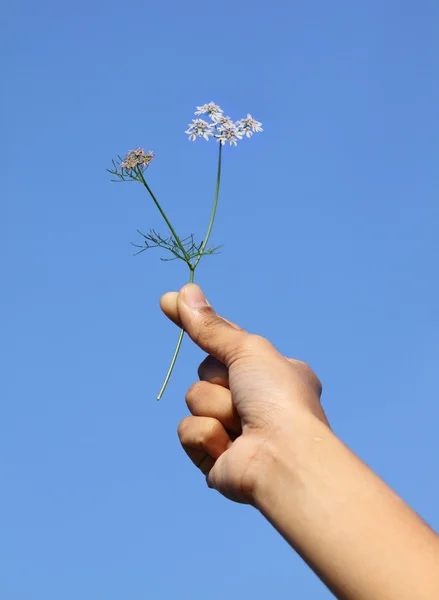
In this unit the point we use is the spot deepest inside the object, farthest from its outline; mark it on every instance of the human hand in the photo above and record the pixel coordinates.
(260, 436)
(250, 400)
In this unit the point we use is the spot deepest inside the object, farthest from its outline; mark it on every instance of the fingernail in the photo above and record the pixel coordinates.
(194, 296)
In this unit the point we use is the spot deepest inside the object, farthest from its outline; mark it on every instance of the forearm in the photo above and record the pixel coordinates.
(361, 539)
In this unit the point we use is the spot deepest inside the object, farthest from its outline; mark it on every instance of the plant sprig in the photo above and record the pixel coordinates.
(132, 169)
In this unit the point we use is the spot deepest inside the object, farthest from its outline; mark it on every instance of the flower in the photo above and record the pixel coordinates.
(229, 133)
(224, 129)
(199, 128)
(136, 158)
(248, 126)
(221, 121)
(211, 109)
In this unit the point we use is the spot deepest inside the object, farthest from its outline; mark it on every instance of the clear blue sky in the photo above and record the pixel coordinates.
(329, 220)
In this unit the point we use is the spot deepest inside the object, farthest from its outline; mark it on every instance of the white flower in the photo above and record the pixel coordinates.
(248, 126)
(228, 133)
(222, 127)
(211, 109)
(221, 121)
(199, 128)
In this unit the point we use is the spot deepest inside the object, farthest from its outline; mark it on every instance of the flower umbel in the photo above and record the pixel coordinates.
(199, 128)
(248, 126)
(210, 109)
(136, 158)
(224, 129)
(229, 133)
(221, 121)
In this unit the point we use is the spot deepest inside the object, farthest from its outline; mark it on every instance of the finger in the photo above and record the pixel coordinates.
(200, 459)
(208, 330)
(168, 304)
(204, 440)
(209, 400)
(212, 370)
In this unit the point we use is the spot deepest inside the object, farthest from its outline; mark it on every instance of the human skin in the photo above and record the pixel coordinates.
(260, 436)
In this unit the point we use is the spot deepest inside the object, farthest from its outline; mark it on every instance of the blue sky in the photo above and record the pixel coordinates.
(329, 223)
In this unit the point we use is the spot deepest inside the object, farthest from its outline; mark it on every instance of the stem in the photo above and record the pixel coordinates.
(177, 349)
(168, 223)
(192, 267)
(215, 204)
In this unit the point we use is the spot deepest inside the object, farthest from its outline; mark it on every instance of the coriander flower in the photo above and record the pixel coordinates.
(248, 126)
(222, 121)
(223, 128)
(229, 133)
(199, 128)
(136, 158)
(211, 109)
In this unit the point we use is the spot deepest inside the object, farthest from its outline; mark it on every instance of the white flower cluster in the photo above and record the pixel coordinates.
(224, 129)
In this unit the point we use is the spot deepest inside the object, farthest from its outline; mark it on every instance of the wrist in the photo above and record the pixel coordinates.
(283, 458)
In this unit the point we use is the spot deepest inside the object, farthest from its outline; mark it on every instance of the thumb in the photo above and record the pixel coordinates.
(209, 331)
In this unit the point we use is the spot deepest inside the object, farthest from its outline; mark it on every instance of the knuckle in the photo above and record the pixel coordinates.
(183, 429)
(248, 346)
(212, 430)
(198, 432)
(308, 374)
(208, 366)
(194, 393)
(303, 366)
(203, 435)
(256, 344)
(207, 328)
(204, 366)
(319, 385)
(258, 340)
(213, 371)
(208, 322)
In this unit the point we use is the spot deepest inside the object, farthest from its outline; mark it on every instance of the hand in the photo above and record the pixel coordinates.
(260, 436)
(249, 398)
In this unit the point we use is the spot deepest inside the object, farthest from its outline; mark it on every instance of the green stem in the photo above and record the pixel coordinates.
(215, 204)
(191, 267)
(177, 350)
(168, 223)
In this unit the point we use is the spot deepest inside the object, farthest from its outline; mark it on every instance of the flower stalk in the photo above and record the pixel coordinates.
(192, 267)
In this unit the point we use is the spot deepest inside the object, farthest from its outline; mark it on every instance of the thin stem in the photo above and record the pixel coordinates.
(168, 223)
(215, 204)
(177, 349)
(192, 267)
